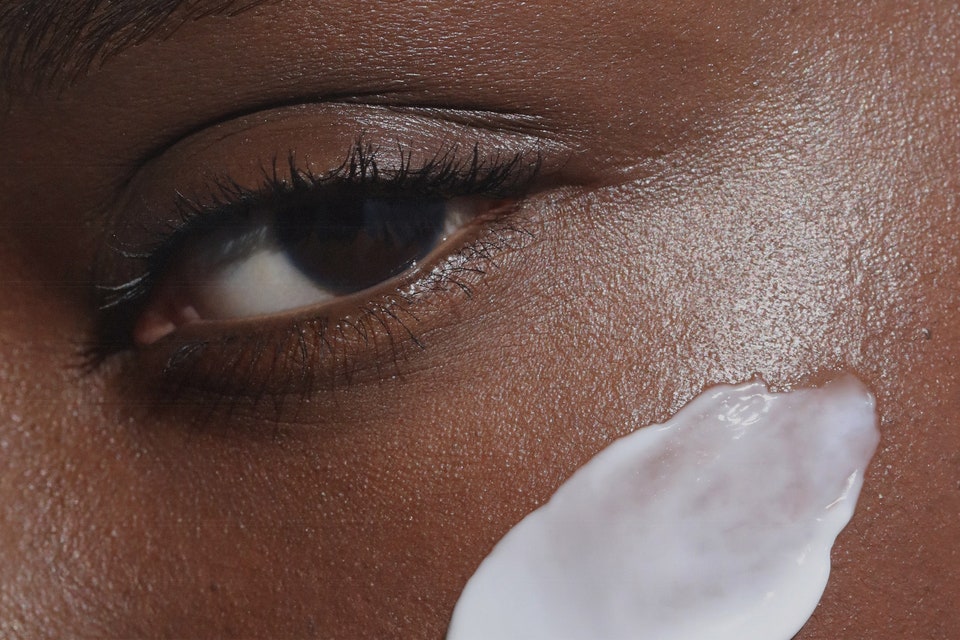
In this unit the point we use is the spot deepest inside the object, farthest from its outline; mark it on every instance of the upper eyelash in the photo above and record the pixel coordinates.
(446, 174)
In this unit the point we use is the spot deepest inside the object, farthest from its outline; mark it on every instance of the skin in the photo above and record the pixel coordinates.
(754, 188)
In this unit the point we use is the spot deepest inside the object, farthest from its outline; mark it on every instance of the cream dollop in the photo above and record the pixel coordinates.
(715, 525)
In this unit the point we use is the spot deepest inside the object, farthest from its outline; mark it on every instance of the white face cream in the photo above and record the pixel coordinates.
(714, 525)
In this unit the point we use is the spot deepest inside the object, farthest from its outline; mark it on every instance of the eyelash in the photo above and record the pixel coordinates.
(447, 174)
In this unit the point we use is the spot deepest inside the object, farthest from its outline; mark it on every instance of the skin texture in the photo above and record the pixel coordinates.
(752, 188)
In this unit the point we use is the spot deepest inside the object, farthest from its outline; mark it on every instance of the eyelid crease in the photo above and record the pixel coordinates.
(399, 101)
(494, 120)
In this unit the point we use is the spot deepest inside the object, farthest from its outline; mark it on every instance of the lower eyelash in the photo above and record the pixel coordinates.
(369, 343)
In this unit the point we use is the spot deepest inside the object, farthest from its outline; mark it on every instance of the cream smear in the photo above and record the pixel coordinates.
(714, 525)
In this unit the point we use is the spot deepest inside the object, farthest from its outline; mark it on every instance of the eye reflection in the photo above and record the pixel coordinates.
(311, 251)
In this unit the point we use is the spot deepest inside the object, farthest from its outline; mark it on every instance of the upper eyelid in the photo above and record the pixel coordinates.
(306, 125)
(189, 165)
(498, 122)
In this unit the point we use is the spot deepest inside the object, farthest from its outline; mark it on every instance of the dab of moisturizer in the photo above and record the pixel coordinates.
(714, 525)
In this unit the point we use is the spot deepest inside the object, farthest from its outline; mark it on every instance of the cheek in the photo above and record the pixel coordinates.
(674, 290)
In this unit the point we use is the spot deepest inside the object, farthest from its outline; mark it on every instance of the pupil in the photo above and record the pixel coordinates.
(346, 243)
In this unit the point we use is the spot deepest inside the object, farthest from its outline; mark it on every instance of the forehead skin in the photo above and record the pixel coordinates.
(750, 188)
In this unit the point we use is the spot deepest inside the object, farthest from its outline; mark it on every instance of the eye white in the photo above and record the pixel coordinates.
(264, 282)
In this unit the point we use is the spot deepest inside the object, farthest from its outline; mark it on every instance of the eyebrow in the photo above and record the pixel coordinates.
(43, 42)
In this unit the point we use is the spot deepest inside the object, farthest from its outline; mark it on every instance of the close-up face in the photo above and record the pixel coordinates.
(308, 303)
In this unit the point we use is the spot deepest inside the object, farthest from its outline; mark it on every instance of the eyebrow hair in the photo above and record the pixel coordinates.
(45, 41)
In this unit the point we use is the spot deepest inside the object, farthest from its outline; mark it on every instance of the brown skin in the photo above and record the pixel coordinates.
(753, 188)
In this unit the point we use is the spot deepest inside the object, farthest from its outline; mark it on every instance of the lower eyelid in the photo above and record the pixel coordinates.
(366, 337)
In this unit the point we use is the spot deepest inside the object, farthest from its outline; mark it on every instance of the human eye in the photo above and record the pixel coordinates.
(302, 239)
(336, 266)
